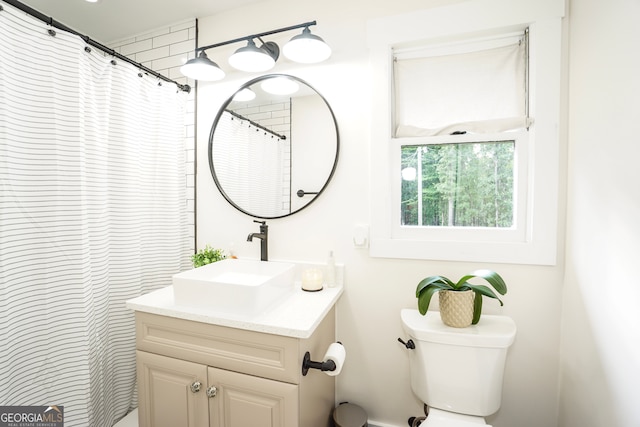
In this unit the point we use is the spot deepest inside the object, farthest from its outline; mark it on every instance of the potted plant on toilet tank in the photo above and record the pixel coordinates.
(461, 301)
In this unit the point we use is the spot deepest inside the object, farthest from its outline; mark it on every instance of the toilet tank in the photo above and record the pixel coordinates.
(458, 369)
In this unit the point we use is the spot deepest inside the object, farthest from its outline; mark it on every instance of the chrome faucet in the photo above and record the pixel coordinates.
(262, 235)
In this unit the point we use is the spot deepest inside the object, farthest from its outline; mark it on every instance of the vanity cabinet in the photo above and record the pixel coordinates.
(165, 394)
(246, 400)
(197, 374)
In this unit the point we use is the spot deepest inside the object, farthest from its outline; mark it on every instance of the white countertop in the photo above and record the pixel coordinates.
(296, 316)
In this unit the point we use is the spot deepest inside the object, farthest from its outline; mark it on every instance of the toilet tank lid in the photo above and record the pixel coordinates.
(491, 331)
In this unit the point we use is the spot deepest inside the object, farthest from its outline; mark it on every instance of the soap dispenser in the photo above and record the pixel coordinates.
(330, 276)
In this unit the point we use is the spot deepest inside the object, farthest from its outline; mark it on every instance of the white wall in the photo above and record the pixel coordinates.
(376, 374)
(314, 142)
(601, 319)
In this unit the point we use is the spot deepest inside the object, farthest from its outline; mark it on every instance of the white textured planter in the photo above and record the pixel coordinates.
(456, 308)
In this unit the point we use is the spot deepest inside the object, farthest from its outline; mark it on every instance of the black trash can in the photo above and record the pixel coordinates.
(349, 415)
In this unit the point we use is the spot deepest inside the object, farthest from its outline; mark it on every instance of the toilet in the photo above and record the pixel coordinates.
(457, 372)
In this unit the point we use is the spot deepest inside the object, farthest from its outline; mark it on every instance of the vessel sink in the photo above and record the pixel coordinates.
(235, 285)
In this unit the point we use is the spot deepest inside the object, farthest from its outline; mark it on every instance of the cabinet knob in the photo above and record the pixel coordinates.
(196, 386)
(212, 391)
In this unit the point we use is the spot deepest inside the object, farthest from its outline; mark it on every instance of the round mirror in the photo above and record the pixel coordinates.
(273, 147)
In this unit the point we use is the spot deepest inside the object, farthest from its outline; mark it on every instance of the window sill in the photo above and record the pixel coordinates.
(538, 253)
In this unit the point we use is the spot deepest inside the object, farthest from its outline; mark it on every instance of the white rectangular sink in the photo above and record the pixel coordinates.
(235, 285)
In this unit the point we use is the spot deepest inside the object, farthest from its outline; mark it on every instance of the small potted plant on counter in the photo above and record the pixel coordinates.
(207, 256)
(461, 301)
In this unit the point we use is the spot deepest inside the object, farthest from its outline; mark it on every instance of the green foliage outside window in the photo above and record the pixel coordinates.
(459, 185)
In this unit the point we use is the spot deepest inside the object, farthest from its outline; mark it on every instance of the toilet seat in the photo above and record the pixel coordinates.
(440, 418)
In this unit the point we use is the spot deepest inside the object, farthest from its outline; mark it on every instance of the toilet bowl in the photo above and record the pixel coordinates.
(457, 372)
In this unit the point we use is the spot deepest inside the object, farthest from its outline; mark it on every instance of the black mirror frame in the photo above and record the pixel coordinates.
(219, 115)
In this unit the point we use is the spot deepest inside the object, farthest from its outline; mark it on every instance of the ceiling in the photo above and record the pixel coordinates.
(110, 20)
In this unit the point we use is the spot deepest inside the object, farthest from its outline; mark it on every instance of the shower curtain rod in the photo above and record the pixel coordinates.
(52, 22)
(256, 125)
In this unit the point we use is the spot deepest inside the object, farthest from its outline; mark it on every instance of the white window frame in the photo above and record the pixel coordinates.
(535, 240)
(467, 234)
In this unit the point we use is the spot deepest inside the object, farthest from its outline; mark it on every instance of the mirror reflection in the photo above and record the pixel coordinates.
(273, 146)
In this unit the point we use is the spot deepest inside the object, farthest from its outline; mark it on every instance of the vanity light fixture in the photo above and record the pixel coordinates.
(202, 68)
(304, 48)
(280, 86)
(307, 48)
(244, 95)
(252, 58)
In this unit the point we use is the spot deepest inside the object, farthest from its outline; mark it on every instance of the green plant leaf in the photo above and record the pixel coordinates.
(432, 284)
(424, 299)
(486, 291)
(207, 256)
(493, 278)
(477, 308)
(440, 281)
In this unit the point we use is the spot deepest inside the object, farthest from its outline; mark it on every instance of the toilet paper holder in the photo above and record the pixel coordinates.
(307, 363)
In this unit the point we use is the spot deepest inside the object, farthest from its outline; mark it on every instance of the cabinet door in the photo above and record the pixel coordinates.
(171, 392)
(243, 400)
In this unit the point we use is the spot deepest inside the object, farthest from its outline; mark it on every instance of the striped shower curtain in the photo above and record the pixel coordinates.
(92, 213)
(238, 148)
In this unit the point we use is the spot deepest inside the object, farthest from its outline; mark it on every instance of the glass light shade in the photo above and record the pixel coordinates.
(280, 86)
(244, 95)
(409, 174)
(202, 68)
(251, 59)
(306, 48)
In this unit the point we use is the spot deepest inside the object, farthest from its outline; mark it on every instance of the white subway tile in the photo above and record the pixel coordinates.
(167, 39)
(121, 42)
(280, 113)
(164, 63)
(186, 46)
(152, 34)
(135, 47)
(153, 54)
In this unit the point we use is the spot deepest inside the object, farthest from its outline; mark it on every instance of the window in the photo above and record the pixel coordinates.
(458, 185)
(464, 153)
(467, 188)
(464, 90)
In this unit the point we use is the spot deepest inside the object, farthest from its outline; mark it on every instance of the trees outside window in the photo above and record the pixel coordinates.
(458, 185)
